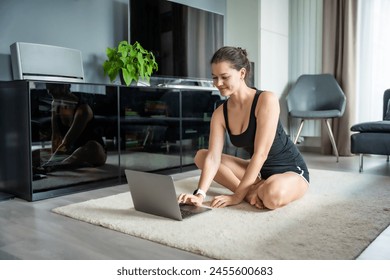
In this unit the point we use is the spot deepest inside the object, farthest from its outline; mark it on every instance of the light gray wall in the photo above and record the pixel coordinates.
(88, 25)
(261, 27)
(274, 56)
(242, 21)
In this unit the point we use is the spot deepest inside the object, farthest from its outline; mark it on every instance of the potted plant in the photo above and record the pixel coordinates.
(130, 61)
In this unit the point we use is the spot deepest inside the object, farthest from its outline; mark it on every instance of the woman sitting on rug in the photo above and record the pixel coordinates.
(276, 173)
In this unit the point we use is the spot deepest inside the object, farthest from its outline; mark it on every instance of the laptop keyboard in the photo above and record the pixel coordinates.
(190, 210)
(186, 213)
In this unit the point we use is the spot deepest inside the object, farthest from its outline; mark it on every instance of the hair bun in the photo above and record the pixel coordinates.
(243, 51)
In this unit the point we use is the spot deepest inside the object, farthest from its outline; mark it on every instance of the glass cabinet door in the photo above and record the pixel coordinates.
(74, 134)
(149, 122)
(162, 128)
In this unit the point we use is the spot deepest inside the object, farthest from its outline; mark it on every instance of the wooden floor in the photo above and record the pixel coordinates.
(29, 230)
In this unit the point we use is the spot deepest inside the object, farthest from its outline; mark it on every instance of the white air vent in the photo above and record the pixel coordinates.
(44, 62)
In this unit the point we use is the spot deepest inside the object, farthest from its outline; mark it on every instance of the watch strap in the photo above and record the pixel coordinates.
(201, 192)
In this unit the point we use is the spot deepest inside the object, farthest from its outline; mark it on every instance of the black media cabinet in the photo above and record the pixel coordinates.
(153, 129)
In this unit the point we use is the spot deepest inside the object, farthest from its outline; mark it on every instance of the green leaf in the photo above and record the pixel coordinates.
(126, 77)
(130, 61)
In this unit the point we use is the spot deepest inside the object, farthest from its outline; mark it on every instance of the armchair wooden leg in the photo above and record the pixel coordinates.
(332, 139)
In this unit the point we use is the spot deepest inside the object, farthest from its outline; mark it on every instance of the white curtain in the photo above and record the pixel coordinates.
(373, 58)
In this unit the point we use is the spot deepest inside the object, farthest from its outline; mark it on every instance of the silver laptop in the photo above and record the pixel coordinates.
(155, 194)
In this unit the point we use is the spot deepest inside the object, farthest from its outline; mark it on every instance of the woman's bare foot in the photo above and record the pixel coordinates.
(252, 197)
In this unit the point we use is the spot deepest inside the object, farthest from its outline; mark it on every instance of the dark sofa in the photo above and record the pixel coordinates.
(373, 137)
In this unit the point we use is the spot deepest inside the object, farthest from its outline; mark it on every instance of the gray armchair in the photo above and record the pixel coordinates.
(373, 137)
(316, 97)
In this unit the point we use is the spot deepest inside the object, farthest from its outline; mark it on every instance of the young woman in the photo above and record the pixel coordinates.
(276, 173)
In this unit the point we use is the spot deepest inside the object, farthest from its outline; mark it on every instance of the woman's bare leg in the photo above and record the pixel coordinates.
(281, 189)
(275, 192)
(230, 172)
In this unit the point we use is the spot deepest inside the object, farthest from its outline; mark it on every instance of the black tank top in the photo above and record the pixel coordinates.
(246, 139)
(283, 152)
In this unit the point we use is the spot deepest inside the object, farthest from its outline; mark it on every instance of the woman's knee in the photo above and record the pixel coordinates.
(273, 196)
(280, 190)
(199, 158)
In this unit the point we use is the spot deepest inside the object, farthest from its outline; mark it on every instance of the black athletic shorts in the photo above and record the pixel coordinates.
(302, 170)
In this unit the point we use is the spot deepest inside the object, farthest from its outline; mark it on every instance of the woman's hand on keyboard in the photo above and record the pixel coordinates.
(190, 199)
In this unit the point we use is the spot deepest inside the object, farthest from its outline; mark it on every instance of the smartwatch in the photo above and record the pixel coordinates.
(199, 191)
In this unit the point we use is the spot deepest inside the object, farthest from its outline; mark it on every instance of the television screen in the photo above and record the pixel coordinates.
(182, 38)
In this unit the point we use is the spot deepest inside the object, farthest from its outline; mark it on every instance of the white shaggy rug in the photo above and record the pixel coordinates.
(341, 214)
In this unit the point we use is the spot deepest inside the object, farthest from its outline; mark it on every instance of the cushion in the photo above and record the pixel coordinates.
(320, 114)
(379, 126)
(370, 143)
